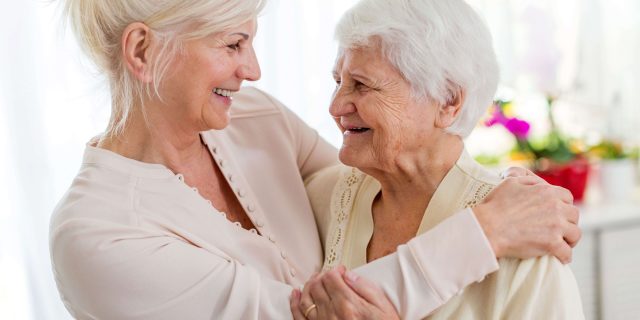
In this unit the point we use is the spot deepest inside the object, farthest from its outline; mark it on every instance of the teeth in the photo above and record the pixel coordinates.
(223, 92)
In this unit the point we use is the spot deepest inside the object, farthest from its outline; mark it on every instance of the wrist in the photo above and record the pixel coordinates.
(483, 215)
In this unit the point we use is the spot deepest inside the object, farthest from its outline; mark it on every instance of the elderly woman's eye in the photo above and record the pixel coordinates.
(360, 85)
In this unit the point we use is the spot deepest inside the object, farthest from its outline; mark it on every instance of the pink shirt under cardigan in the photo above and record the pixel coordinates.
(131, 240)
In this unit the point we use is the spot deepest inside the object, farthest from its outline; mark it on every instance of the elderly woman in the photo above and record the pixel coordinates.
(413, 79)
(189, 207)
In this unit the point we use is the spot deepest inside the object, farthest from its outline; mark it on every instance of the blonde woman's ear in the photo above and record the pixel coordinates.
(136, 50)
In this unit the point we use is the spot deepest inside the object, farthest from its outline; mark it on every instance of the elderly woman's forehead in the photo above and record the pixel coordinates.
(359, 56)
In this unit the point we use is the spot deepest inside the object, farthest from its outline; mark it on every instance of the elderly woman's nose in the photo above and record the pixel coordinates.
(341, 105)
(250, 68)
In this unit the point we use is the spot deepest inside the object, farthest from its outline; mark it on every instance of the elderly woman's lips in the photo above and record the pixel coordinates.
(357, 130)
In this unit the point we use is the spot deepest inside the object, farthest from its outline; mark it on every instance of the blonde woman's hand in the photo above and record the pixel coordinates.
(514, 172)
(525, 217)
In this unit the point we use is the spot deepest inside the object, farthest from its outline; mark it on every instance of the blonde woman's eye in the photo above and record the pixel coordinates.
(235, 46)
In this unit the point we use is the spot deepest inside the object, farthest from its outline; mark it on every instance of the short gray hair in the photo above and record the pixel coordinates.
(99, 24)
(439, 46)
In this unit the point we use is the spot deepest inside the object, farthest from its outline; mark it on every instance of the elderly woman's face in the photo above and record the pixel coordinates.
(373, 107)
(198, 87)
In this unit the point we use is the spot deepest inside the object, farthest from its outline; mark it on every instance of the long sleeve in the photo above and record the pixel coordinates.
(313, 152)
(119, 272)
(433, 267)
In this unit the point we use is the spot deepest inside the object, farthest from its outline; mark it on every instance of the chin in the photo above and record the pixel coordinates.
(218, 124)
(348, 157)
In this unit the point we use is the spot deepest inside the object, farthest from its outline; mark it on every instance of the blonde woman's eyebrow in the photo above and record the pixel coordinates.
(242, 34)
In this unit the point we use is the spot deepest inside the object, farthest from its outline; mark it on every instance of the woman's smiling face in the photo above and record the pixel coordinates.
(198, 88)
(373, 106)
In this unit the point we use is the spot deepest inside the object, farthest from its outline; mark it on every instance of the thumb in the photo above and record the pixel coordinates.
(366, 289)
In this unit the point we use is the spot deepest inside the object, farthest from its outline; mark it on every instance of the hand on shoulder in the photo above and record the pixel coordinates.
(525, 217)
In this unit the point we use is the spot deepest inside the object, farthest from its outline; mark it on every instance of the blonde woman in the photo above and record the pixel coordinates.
(191, 204)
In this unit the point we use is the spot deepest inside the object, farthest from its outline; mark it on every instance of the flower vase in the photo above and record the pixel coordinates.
(572, 175)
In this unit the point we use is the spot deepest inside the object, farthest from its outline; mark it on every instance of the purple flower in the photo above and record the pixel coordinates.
(519, 128)
(497, 117)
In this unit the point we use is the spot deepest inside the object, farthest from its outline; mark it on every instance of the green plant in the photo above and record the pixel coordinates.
(553, 146)
(612, 150)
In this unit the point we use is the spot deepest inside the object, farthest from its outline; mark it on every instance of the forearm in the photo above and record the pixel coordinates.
(426, 272)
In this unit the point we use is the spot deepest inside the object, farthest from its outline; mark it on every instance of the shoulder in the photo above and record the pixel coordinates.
(535, 271)
(476, 171)
(253, 102)
(330, 182)
(479, 180)
(324, 180)
(94, 193)
(538, 288)
(256, 111)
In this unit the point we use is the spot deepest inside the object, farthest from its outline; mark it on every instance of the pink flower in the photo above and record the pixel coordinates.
(519, 128)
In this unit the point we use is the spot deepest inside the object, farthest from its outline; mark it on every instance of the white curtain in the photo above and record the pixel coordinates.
(52, 101)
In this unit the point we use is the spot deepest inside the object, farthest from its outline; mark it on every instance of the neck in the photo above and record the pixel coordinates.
(155, 139)
(408, 187)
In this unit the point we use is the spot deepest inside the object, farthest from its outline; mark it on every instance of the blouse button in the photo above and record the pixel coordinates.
(251, 208)
(231, 178)
(293, 272)
(272, 238)
(241, 193)
(259, 223)
(221, 162)
(283, 254)
(214, 150)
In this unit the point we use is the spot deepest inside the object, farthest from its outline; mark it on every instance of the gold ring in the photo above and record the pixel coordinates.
(311, 307)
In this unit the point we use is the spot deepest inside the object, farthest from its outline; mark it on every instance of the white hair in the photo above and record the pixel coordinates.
(439, 47)
(99, 24)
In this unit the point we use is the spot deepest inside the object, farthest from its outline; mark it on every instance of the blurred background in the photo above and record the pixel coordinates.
(568, 107)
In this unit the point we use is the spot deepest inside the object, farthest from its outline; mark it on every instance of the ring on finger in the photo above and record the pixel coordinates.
(308, 310)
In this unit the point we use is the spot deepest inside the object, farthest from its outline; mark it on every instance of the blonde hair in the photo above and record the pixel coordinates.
(99, 24)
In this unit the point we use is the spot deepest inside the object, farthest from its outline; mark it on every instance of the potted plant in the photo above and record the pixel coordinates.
(551, 157)
(617, 169)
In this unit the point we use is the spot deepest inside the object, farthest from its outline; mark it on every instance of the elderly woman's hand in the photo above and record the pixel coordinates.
(340, 294)
(524, 217)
